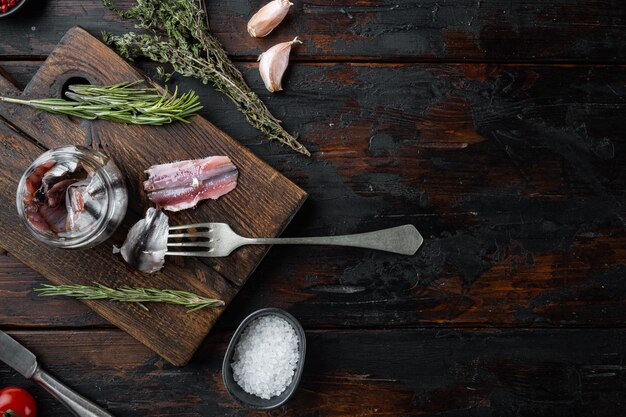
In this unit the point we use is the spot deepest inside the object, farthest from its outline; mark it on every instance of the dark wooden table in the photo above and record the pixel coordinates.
(497, 128)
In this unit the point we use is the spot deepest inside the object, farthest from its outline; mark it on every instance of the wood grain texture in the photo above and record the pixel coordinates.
(428, 372)
(20, 302)
(459, 30)
(512, 167)
(515, 174)
(262, 191)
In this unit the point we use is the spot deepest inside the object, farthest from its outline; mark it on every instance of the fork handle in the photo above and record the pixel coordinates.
(404, 240)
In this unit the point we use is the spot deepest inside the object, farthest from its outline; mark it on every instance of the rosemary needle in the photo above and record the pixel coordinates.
(121, 103)
(127, 294)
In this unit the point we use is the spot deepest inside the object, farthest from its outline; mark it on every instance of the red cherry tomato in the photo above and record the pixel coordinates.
(17, 400)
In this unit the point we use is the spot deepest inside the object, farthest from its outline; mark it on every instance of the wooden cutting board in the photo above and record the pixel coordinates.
(262, 204)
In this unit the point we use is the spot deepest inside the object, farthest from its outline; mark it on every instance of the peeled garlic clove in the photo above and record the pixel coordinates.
(268, 17)
(273, 64)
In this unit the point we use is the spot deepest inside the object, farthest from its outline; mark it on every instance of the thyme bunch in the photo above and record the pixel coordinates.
(122, 103)
(178, 34)
(127, 294)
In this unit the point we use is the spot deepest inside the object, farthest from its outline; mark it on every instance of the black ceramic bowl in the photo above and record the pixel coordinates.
(16, 9)
(250, 400)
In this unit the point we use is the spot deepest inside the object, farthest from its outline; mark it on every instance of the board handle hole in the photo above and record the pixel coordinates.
(72, 81)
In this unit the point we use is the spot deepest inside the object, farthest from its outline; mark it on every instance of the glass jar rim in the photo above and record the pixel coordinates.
(95, 160)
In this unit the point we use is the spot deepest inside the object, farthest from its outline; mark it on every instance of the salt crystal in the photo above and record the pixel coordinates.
(266, 357)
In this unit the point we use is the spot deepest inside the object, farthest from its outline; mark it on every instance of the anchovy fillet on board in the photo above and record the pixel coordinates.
(181, 185)
(146, 242)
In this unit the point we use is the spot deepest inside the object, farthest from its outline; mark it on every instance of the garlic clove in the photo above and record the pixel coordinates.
(274, 62)
(268, 17)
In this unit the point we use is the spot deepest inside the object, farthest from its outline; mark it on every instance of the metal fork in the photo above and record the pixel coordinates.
(220, 240)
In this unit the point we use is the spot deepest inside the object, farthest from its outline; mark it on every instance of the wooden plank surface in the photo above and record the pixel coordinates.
(520, 30)
(416, 372)
(522, 166)
(511, 165)
(261, 190)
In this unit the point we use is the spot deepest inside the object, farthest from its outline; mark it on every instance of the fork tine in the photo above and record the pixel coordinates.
(200, 244)
(194, 234)
(191, 226)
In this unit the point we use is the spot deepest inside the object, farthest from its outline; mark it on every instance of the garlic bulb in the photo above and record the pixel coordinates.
(273, 64)
(268, 17)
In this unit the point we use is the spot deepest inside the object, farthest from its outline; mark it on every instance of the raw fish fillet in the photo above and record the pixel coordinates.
(58, 172)
(54, 216)
(75, 205)
(146, 242)
(56, 193)
(176, 199)
(34, 218)
(84, 204)
(181, 185)
(47, 202)
(33, 182)
(182, 173)
(31, 203)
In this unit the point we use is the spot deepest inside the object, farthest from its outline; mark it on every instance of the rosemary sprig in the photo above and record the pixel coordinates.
(127, 294)
(178, 34)
(122, 103)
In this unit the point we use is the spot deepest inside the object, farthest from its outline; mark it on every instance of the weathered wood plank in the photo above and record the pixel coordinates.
(21, 307)
(261, 190)
(383, 373)
(515, 174)
(520, 30)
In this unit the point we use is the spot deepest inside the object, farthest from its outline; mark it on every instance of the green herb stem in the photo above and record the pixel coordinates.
(178, 34)
(121, 103)
(126, 294)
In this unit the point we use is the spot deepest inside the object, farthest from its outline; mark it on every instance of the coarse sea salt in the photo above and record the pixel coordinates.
(266, 357)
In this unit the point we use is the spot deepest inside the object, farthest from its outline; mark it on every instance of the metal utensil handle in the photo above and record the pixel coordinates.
(77, 404)
(404, 240)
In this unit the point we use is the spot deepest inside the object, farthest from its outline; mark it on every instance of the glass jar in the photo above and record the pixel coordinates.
(104, 180)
